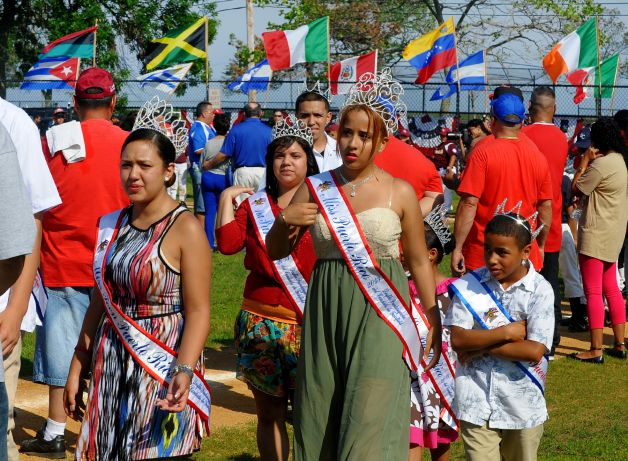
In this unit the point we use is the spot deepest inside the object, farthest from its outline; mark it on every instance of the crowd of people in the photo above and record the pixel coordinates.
(347, 316)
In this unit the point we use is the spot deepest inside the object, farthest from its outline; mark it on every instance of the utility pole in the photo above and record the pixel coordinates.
(250, 38)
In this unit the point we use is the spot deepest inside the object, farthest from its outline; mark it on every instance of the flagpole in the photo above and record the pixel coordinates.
(376, 58)
(599, 68)
(485, 84)
(266, 93)
(457, 68)
(328, 55)
(207, 57)
(95, 38)
(614, 85)
(457, 76)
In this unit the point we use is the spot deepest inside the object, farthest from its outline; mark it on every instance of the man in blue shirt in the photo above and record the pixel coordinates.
(200, 132)
(246, 145)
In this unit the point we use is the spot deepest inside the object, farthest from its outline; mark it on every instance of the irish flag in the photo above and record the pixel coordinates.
(576, 51)
(587, 80)
(309, 43)
(343, 74)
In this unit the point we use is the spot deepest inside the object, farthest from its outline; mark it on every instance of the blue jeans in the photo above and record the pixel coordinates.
(195, 175)
(56, 338)
(212, 185)
(4, 421)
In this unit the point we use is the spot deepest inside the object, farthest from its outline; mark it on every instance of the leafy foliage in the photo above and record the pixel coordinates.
(505, 28)
(26, 26)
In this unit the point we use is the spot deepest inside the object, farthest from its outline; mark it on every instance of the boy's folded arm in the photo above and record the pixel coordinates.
(463, 339)
(525, 351)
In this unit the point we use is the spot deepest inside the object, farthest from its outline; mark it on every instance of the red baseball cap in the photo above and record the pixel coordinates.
(59, 110)
(444, 131)
(95, 83)
(218, 111)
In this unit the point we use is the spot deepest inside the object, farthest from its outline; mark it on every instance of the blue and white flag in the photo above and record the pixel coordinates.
(256, 78)
(165, 80)
(52, 74)
(472, 76)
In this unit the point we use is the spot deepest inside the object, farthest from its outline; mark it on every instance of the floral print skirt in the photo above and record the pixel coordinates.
(268, 351)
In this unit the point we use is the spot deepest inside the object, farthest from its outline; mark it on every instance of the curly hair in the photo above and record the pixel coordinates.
(606, 136)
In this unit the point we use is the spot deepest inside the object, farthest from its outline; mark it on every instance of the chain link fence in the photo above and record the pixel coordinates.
(282, 95)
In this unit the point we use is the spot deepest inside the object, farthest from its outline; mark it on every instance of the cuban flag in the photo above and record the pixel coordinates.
(166, 80)
(472, 76)
(58, 73)
(256, 78)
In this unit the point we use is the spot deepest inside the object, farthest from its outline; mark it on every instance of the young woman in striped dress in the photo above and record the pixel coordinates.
(156, 270)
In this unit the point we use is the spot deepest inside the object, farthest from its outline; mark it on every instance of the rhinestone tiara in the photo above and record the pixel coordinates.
(316, 88)
(515, 214)
(158, 115)
(437, 221)
(382, 94)
(291, 126)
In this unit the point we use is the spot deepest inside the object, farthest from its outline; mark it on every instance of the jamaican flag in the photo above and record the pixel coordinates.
(180, 45)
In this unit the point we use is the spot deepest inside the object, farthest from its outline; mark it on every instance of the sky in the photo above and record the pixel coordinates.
(234, 21)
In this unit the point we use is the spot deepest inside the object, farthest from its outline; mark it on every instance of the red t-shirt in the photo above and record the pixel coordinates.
(499, 169)
(403, 161)
(262, 284)
(89, 189)
(552, 143)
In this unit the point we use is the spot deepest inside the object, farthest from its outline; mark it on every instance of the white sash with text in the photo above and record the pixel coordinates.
(156, 358)
(374, 284)
(489, 313)
(286, 268)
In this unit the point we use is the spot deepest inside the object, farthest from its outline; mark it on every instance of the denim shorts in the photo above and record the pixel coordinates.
(56, 338)
(4, 421)
(196, 175)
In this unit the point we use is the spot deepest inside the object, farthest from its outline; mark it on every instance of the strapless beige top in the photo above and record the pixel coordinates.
(381, 227)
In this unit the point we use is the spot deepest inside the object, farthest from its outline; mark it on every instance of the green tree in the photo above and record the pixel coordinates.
(26, 26)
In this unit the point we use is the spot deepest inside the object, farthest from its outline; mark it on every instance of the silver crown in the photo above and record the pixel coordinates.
(437, 220)
(316, 88)
(158, 115)
(382, 94)
(515, 214)
(291, 126)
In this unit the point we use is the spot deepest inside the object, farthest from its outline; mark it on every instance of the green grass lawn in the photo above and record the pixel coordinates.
(587, 403)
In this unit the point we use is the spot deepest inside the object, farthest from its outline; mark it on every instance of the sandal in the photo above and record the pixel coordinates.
(615, 352)
(596, 360)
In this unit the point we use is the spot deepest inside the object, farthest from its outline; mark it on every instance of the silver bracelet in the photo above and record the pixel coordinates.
(182, 368)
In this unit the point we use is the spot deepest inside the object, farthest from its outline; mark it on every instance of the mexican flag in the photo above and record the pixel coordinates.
(343, 74)
(588, 80)
(309, 43)
(577, 50)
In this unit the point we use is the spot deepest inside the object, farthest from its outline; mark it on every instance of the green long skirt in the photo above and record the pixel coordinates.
(353, 387)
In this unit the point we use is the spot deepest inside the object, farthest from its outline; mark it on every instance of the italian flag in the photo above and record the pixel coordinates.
(309, 43)
(588, 80)
(577, 50)
(343, 74)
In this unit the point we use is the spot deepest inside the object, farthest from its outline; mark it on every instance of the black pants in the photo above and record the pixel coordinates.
(550, 272)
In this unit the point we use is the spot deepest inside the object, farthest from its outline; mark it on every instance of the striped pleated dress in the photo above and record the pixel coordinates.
(121, 420)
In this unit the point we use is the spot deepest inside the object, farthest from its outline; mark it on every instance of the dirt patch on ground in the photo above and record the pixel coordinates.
(232, 402)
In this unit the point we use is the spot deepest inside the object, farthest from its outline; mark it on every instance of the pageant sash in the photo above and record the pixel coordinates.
(442, 376)
(489, 313)
(155, 358)
(286, 268)
(40, 296)
(374, 284)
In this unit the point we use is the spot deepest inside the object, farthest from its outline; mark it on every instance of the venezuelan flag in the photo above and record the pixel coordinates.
(433, 51)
